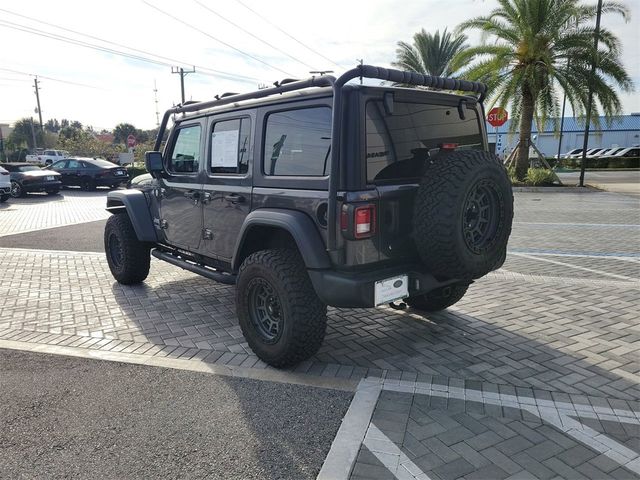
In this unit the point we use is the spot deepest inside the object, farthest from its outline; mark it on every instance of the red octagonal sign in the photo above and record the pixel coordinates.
(497, 116)
(131, 141)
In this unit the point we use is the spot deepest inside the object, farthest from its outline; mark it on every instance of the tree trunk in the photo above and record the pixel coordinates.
(526, 119)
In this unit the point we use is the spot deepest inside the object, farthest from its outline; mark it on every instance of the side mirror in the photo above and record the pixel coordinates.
(153, 162)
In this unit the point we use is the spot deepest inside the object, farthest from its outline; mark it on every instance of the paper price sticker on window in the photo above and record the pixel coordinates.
(224, 148)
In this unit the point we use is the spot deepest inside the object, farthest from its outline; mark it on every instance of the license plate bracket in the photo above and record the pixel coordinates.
(391, 289)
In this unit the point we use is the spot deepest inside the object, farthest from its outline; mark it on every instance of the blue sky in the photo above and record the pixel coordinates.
(121, 89)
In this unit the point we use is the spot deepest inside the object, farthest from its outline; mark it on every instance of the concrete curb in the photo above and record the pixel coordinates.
(269, 374)
(587, 189)
(346, 446)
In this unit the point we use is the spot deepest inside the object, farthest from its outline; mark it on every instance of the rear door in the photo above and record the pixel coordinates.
(179, 197)
(399, 144)
(227, 182)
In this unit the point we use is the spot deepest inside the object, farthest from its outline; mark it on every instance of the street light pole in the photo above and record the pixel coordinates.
(585, 144)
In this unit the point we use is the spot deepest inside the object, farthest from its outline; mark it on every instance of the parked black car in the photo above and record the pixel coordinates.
(26, 177)
(89, 173)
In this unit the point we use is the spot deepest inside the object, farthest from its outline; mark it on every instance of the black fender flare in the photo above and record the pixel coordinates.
(134, 203)
(299, 226)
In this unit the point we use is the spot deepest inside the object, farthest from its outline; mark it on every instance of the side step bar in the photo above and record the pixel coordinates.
(210, 273)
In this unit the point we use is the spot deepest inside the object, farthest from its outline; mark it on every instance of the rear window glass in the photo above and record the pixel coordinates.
(297, 142)
(25, 168)
(399, 145)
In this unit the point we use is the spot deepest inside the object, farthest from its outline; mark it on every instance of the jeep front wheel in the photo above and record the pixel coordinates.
(438, 299)
(128, 257)
(280, 315)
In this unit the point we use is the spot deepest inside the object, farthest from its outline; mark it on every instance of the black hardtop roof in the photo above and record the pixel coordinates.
(319, 92)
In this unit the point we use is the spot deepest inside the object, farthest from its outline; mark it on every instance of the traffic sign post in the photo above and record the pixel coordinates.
(497, 117)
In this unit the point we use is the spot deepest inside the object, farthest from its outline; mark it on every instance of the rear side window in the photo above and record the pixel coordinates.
(399, 145)
(297, 142)
(230, 146)
(185, 156)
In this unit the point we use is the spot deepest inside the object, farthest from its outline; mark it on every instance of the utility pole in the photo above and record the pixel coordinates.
(583, 165)
(37, 90)
(182, 73)
(155, 99)
(33, 135)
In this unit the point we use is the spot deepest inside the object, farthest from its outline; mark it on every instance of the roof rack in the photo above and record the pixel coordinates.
(361, 71)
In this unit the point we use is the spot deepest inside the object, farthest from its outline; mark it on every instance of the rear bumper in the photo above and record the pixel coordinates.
(42, 186)
(108, 181)
(357, 289)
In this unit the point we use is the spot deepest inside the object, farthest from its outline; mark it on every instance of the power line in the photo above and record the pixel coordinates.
(188, 25)
(288, 34)
(252, 35)
(55, 36)
(50, 78)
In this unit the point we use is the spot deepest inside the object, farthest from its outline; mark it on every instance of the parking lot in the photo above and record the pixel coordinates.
(459, 393)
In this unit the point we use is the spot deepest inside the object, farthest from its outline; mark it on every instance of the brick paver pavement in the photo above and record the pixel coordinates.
(39, 211)
(560, 318)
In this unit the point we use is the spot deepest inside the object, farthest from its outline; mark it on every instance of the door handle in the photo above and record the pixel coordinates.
(234, 198)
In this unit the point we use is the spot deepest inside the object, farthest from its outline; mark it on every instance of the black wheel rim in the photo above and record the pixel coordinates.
(16, 189)
(115, 251)
(265, 310)
(481, 218)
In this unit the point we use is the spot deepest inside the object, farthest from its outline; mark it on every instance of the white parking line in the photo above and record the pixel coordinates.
(345, 447)
(584, 269)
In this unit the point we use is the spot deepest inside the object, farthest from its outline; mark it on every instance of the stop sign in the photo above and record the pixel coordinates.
(497, 116)
(131, 141)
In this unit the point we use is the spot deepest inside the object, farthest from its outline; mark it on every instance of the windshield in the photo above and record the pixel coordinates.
(398, 145)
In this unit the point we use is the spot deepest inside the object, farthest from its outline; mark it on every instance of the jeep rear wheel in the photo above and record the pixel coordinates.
(280, 315)
(463, 214)
(438, 299)
(128, 257)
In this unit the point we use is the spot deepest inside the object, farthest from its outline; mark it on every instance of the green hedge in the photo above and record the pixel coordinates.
(136, 169)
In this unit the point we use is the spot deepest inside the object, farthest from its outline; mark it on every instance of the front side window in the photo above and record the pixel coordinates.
(74, 164)
(58, 165)
(297, 142)
(230, 146)
(185, 157)
(399, 144)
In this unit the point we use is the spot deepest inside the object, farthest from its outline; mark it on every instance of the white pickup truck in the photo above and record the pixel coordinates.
(47, 157)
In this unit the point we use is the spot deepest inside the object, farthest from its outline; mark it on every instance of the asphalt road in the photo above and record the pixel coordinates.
(84, 237)
(68, 417)
(627, 182)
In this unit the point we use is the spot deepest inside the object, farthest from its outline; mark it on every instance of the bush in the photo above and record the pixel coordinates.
(539, 177)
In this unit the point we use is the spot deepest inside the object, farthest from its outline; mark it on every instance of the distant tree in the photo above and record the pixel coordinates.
(22, 134)
(430, 54)
(76, 124)
(52, 125)
(83, 143)
(122, 131)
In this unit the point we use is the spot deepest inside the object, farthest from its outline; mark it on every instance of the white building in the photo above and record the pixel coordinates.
(621, 131)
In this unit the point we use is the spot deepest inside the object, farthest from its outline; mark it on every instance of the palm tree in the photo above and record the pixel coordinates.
(538, 49)
(430, 54)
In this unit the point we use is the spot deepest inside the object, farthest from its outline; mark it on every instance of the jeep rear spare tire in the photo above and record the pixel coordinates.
(128, 258)
(463, 214)
(280, 315)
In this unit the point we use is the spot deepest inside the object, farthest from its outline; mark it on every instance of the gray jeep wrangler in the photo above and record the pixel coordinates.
(321, 192)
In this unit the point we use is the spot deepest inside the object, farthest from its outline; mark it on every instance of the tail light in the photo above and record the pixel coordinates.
(448, 146)
(358, 222)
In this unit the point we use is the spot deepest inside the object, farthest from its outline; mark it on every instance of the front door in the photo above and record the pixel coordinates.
(181, 187)
(227, 183)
